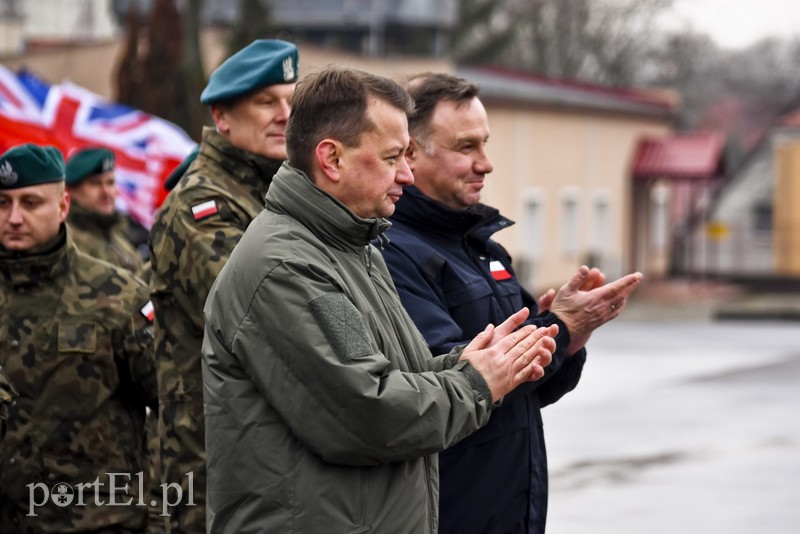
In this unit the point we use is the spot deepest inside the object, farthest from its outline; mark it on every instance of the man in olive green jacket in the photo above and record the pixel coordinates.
(77, 346)
(324, 407)
(195, 230)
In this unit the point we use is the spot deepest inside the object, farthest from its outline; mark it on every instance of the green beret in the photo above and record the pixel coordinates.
(261, 63)
(180, 169)
(30, 164)
(88, 162)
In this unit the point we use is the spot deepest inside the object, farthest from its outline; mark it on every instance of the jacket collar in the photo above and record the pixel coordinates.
(419, 211)
(293, 193)
(255, 172)
(26, 269)
(90, 220)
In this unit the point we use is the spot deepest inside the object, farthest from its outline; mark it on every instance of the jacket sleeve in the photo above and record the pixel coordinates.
(189, 252)
(138, 348)
(563, 380)
(316, 360)
(564, 371)
(422, 298)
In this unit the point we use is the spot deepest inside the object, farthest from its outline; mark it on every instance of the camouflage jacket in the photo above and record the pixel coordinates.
(195, 230)
(103, 237)
(7, 396)
(192, 237)
(76, 343)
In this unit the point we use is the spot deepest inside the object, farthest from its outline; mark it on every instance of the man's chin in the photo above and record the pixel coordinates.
(387, 211)
(474, 198)
(16, 244)
(275, 149)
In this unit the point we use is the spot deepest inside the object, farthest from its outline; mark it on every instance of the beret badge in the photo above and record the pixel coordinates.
(7, 174)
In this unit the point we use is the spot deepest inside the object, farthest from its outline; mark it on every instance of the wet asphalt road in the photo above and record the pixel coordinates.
(680, 427)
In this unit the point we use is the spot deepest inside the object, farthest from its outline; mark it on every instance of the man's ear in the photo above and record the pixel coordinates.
(220, 121)
(328, 154)
(63, 206)
(411, 153)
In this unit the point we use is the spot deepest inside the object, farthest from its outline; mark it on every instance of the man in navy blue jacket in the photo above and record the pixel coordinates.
(453, 279)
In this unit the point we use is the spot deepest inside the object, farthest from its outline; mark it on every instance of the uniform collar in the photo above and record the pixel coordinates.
(91, 220)
(25, 269)
(293, 193)
(417, 210)
(254, 171)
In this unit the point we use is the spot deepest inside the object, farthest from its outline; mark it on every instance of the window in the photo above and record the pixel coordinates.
(570, 222)
(762, 217)
(533, 224)
(601, 224)
(659, 216)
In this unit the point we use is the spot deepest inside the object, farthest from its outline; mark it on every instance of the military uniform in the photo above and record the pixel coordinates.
(76, 342)
(103, 237)
(7, 395)
(111, 238)
(195, 230)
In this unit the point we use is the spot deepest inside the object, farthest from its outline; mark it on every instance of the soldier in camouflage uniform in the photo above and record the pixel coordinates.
(76, 343)
(97, 228)
(195, 230)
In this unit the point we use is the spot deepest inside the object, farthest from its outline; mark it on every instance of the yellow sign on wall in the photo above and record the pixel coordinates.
(717, 230)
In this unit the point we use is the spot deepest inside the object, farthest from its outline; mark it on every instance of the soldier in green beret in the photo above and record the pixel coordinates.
(97, 228)
(76, 343)
(195, 231)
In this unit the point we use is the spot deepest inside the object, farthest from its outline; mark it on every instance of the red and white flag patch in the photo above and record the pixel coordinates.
(148, 310)
(499, 272)
(204, 209)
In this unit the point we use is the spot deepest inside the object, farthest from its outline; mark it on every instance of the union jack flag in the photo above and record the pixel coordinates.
(70, 117)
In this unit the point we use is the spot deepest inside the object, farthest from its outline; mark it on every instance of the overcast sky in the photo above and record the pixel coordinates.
(739, 23)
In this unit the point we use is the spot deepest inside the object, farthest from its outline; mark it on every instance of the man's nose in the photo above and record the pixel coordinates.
(404, 174)
(483, 165)
(15, 214)
(283, 111)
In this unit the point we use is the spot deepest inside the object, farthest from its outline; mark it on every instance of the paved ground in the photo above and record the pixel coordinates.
(681, 423)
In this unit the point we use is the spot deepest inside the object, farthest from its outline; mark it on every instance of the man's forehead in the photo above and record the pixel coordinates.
(383, 115)
(102, 177)
(33, 191)
(460, 119)
(282, 89)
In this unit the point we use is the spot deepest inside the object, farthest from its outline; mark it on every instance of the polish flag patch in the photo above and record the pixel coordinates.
(499, 272)
(148, 310)
(204, 209)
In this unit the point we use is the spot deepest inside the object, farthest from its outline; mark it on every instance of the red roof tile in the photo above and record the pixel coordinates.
(695, 156)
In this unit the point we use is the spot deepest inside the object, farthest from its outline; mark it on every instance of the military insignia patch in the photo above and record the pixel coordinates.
(204, 209)
(7, 174)
(108, 164)
(148, 310)
(499, 271)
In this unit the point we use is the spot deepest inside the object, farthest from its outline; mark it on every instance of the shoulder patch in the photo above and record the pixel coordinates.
(499, 271)
(148, 310)
(343, 325)
(204, 209)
